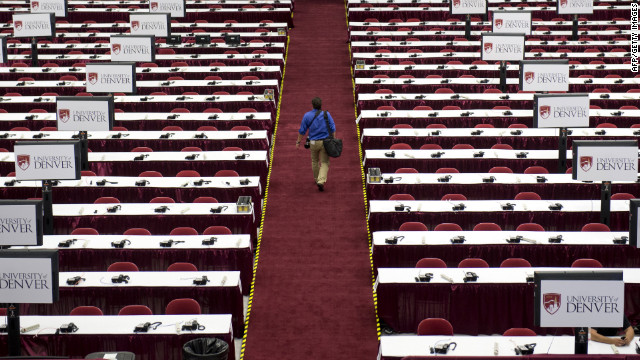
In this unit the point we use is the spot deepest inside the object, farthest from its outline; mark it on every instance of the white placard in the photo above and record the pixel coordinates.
(47, 160)
(20, 222)
(33, 25)
(80, 113)
(132, 48)
(541, 75)
(574, 6)
(3, 49)
(512, 22)
(58, 7)
(561, 110)
(577, 303)
(613, 160)
(174, 7)
(502, 47)
(463, 7)
(111, 77)
(29, 277)
(156, 24)
(634, 222)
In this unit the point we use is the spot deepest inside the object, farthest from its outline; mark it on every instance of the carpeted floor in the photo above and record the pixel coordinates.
(312, 295)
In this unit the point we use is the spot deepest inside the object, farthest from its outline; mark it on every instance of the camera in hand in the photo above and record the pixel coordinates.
(442, 348)
(424, 277)
(458, 239)
(68, 328)
(514, 239)
(393, 240)
(201, 281)
(470, 276)
(119, 244)
(74, 280)
(119, 279)
(67, 243)
(526, 349)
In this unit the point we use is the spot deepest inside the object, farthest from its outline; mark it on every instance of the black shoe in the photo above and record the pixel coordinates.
(321, 187)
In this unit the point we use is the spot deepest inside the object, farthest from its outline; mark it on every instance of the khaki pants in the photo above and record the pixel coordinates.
(321, 168)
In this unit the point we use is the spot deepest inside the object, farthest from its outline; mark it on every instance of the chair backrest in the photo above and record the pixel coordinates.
(536, 170)
(515, 262)
(435, 326)
(142, 149)
(205, 199)
(453, 197)
(463, 146)
(191, 149)
(527, 195)
(530, 227)
(500, 170)
(502, 147)
(447, 170)
(622, 196)
(413, 226)
(430, 147)
(183, 307)
(123, 266)
(473, 263)
(85, 231)
(406, 171)
(595, 227)
(402, 197)
(182, 266)
(232, 148)
(136, 231)
(400, 146)
(589, 263)
(86, 311)
(519, 332)
(188, 173)
(184, 230)
(226, 173)
(431, 263)
(447, 227)
(487, 226)
(162, 200)
(107, 200)
(217, 230)
(135, 310)
(150, 173)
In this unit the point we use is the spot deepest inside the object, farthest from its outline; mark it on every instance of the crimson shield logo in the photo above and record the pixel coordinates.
(93, 78)
(499, 23)
(551, 302)
(488, 47)
(135, 25)
(154, 6)
(35, 5)
(586, 162)
(563, 3)
(64, 115)
(456, 3)
(545, 111)
(18, 25)
(24, 161)
(116, 48)
(529, 76)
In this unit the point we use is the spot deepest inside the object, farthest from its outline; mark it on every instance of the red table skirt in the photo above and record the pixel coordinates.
(472, 309)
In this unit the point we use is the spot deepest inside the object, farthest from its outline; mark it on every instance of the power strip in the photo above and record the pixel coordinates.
(29, 328)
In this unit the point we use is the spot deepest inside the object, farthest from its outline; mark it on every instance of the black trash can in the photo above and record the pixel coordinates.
(205, 349)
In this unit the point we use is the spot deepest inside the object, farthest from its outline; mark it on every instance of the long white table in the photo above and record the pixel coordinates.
(461, 154)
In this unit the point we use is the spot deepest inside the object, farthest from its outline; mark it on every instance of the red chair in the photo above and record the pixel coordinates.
(122, 266)
(135, 310)
(451, 107)
(150, 173)
(136, 231)
(431, 263)
(49, 128)
(406, 171)
(183, 307)
(453, 197)
(226, 173)
(530, 227)
(3, 311)
(527, 195)
(519, 332)
(517, 126)
(86, 311)
(502, 147)
(515, 262)
(182, 266)
(606, 126)
(622, 196)
(500, 170)
(207, 128)
(447, 171)
(191, 149)
(430, 147)
(217, 230)
(142, 149)
(435, 326)
(188, 173)
(448, 227)
(162, 200)
(586, 263)
(413, 226)
(400, 146)
(463, 146)
(484, 126)
(595, 227)
(180, 110)
(232, 148)
(85, 231)
(240, 128)
(423, 108)
(172, 128)
(487, 226)
(536, 170)
(402, 197)
(434, 126)
(473, 263)
(185, 230)
(444, 91)
(205, 199)
(87, 173)
(107, 200)
(20, 128)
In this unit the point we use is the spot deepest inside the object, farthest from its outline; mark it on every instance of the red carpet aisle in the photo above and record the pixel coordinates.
(312, 295)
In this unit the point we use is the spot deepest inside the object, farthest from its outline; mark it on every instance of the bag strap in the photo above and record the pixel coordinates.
(326, 121)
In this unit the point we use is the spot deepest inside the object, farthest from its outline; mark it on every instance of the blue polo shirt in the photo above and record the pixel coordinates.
(317, 127)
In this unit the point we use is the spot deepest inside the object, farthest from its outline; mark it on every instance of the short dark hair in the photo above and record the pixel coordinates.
(317, 103)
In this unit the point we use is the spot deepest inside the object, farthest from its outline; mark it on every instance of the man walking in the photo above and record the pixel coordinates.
(314, 122)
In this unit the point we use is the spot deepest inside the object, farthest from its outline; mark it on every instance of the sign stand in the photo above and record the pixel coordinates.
(84, 150)
(503, 76)
(34, 52)
(467, 27)
(605, 203)
(581, 340)
(47, 207)
(574, 28)
(562, 150)
(13, 329)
